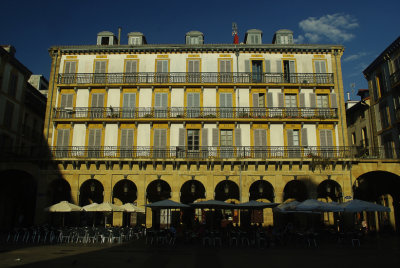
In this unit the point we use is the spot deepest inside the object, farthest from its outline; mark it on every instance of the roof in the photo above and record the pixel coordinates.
(225, 48)
(381, 58)
(105, 33)
(16, 63)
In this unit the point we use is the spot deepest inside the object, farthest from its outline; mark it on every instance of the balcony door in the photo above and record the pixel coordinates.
(129, 105)
(193, 75)
(131, 71)
(160, 143)
(66, 105)
(226, 105)
(100, 72)
(94, 143)
(162, 71)
(62, 143)
(326, 143)
(293, 139)
(259, 105)
(323, 105)
(161, 105)
(193, 105)
(256, 71)
(127, 141)
(289, 71)
(291, 105)
(225, 71)
(97, 106)
(320, 72)
(226, 141)
(260, 143)
(69, 72)
(193, 143)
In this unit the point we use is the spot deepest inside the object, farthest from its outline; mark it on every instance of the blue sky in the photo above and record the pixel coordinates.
(365, 29)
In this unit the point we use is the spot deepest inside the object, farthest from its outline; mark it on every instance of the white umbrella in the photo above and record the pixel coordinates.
(104, 207)
(89, 207)
(63, 206)
(357, 205)
(129, 207)
(317, 206)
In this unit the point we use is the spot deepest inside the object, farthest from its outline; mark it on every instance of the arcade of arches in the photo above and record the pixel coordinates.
(186, 186)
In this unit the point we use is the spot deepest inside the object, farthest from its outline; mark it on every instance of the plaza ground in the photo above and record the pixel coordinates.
(373, 252)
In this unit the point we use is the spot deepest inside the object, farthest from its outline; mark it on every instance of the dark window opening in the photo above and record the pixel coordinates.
(105, 40)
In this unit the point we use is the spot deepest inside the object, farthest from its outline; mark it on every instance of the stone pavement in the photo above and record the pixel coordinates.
(383, 252)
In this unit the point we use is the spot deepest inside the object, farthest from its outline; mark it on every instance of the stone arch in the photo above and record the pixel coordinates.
(91, 191)
(382, 187)
(124, 191)
(261, 189)
(295, 189)
(191, 191)
(158, 190)
(227, 189)
(17, 199)
(59, 190)
(330, 190)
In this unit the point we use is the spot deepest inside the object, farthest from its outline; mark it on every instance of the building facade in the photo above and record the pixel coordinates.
(233, 122)
(22, 112)
(383, 76)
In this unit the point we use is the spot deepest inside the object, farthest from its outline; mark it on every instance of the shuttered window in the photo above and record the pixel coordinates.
(127, 142)
(260, 143)
(129, 105)
(293, 139)
(326, 142)
(70, 67)
(97, 105)
(160, 143)
(194, 71)
(66, 105)
(62, 142)
(225, 70)
(225, 103)
(320, 70)
(161, 104)
(193, 105)
(94, 142)
(100, 72)
(131, 66)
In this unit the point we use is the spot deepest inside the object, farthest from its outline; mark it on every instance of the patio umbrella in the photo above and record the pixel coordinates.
(286, 207)
(357, 205)
(166, 204)
(317, 206)
(211, 204)
(89, 207)
(129, 207)
(253, 204)
(63, 207)
(105, 207)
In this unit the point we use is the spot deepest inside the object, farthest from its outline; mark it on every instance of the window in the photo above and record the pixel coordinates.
(326, 142)
(136, 40)
(380, 83)
(161, 105)
(260, 143)
(162, 71)
(12, 84)
(257, 71)
(388, 146)
(226, 142)
(94, 143)
(320, 71)
(105, 40)
(131, 71)
(160, 143)
(8, 115)
(193, 140)
(62, 142)
(364, 137)
(69, 76)
(291, 105)
(225, 71)
(127, 141)
(97, 106)
(259, 105)
(129, 105)
(66, 105)
(293, 142)
(225, 104)
(323, 105)
(384, 112)
(100, 72)
(255, 39)
(193, 105)
(194, 71)
(289, 71)
(353, 138)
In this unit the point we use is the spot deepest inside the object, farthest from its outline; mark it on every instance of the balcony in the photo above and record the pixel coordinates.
(208, 152)
(395, 78)
(91, 113)
(195, 78)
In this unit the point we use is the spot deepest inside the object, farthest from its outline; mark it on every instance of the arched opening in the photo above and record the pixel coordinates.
(156, 191)
(17, 199)
(296, 190)
(191, 191)
(226, 190)
(124, 191)
(383, 188)
(91, 191)
(59, 190)
(261, 190)
(328, 191)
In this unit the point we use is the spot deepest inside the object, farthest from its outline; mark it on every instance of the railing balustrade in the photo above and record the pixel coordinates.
(197, 112)
(216, 152)
(198, 78)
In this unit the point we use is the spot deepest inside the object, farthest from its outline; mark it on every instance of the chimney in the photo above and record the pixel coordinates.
(119, 35)
(348, 96)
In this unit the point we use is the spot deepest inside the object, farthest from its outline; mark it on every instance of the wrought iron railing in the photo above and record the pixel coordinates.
(212, 152)
(395, 78)
(197, 78)
(201, 112)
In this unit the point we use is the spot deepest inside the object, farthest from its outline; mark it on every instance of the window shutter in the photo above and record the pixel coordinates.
(69, 102)
(304, 139)
(182, 136)
(70, 67)
(289, 133)
(263, 137)
(333, 101)
(63, 137)
(97, 137)
(63, 101)
(191, 66)
(279, 66)
(164, 102)
(270, 100)
(196, 66)
(229, 100)
(124, 137)
(163, 138)
(317, 66)
(159, 66)
(94, 100)
(100, 100)
(67, 67)
(130, 137)
(238, 137)
(267, 66)
(215, 137)
(322, 138)
(222, 100)
(190, 100)
(228, 66)
(323, 66)
(255, 99)
(247, 66)
(292, 68)
(329, 137)
(100, 67)
(302, 99)
(91, 137)
(257, 137)
(131, 66)
(281, 100)
(157, 101)
(196, 99)
(204, 137)
(222, 66)
(312, 100)
(157, 138)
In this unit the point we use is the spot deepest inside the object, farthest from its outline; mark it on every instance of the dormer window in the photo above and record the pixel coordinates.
(253, 37)
(284, 37)
(194, 38)
(106, 39)
(136, 39)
